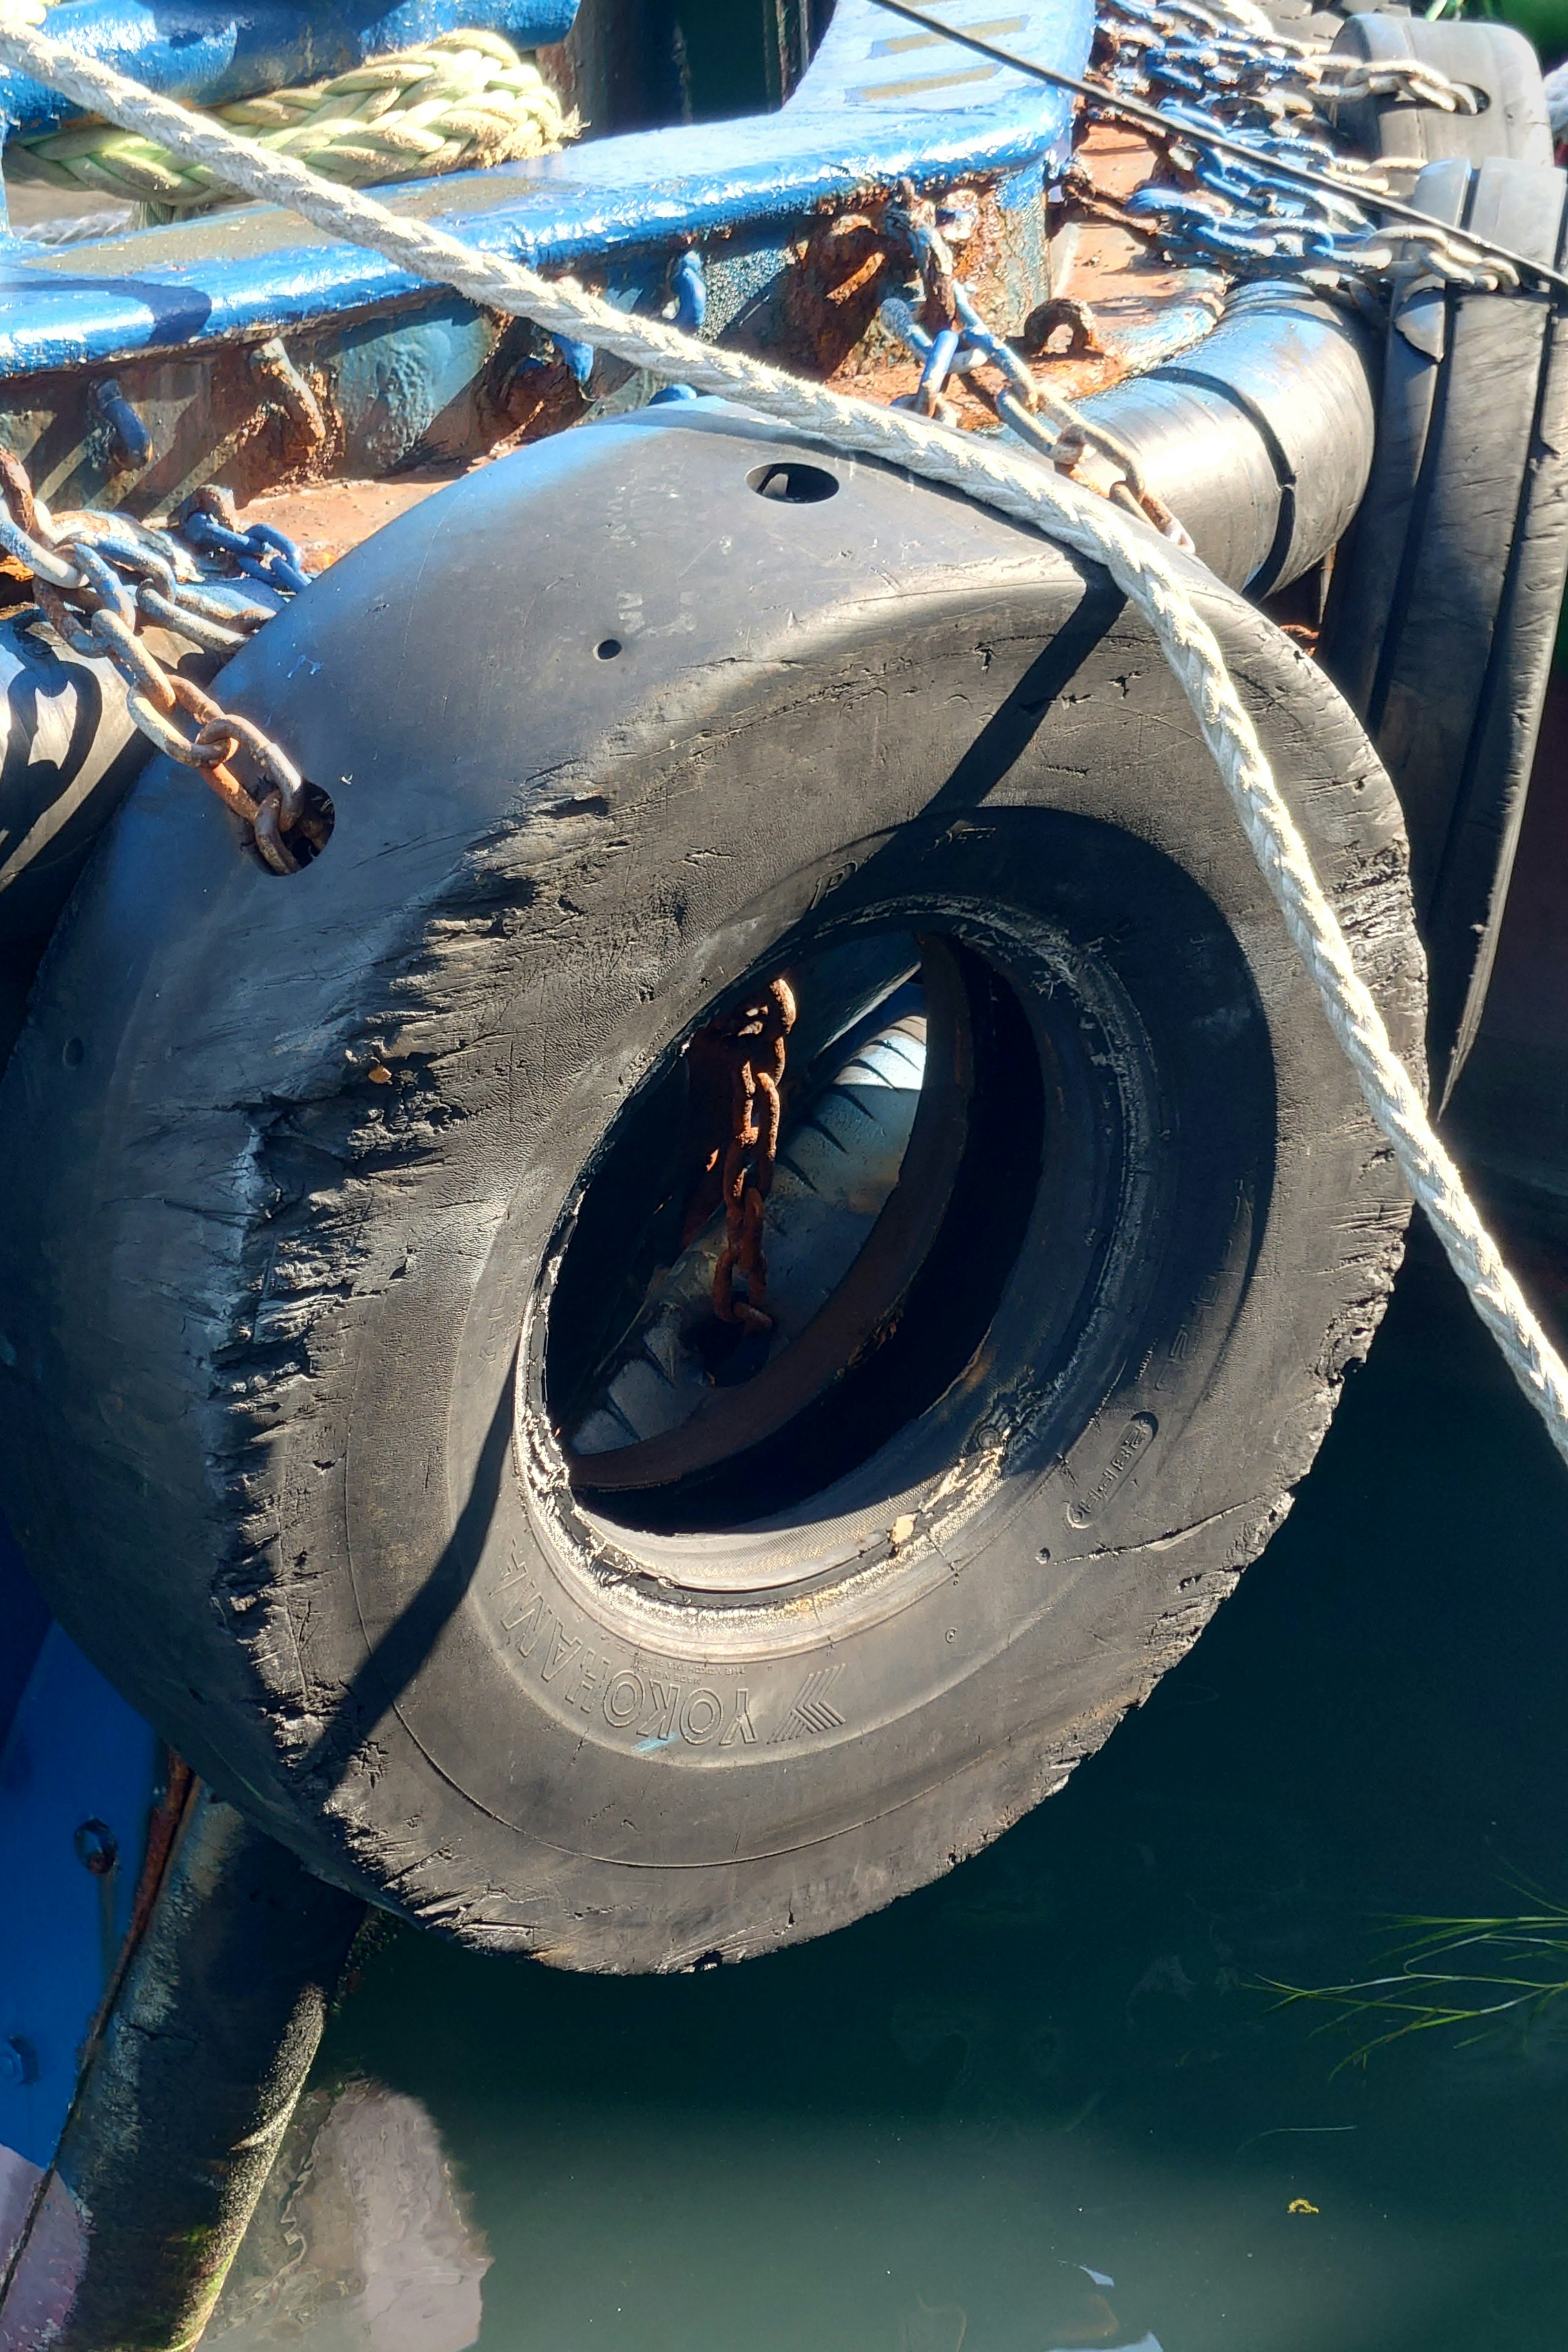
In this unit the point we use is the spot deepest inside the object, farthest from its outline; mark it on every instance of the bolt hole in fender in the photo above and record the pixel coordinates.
(433, 1509)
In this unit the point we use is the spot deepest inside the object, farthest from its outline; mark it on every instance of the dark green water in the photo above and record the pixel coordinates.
(906, 2137)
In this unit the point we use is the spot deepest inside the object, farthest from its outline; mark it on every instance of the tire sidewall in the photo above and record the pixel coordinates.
(476, 1704)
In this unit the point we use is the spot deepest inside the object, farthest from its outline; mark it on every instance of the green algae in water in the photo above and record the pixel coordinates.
(1476, 1976)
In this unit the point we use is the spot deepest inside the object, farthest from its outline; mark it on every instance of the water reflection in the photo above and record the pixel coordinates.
(1074, 2315)
(1043, 2105)
(360, 2243)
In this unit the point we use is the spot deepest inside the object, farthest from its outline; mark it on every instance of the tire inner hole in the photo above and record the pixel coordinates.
(906, 1171)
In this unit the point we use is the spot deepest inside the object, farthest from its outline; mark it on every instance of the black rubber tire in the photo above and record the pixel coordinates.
(1446, 596)
(607, 733)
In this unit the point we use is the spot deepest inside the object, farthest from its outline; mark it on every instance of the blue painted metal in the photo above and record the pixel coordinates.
(689, 281)
(134, 440)
(942, 350)
(579, 357)
(23, 1621)
(872, 109)
(77, 1760)
(260, 551)
(388, 385)
(691, 287)
(185, 49)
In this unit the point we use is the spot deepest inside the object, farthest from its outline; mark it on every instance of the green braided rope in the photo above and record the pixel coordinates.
(457, 104)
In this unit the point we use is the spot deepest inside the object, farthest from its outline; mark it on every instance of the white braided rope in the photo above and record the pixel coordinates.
(1136, 559)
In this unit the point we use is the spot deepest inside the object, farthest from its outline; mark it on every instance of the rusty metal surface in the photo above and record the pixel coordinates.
(1101, 277)
(426, 384)
(325, 519)
(248, 351)
(1118, 275)
(432, 382)
(853, 263)
(844, 132)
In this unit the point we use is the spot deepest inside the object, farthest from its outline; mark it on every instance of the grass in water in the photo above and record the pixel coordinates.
(1479, 1975)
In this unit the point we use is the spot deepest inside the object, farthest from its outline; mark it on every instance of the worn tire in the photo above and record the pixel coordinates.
(271, 1433)
(1446, 596)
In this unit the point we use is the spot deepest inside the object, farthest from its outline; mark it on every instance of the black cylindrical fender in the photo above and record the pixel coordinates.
(187, 2085)
(1259, 439)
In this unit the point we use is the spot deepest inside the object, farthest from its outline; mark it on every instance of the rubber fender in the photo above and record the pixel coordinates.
(186, 2088)
(338, 1185)
(70, 750)
(1492, 60)
(1445, 601)
(1261, 439)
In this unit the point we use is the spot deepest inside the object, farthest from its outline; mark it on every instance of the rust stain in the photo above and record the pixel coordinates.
(326, 518)
(538, 399)
(1096, 260)
(843, 270)
(179, 1789)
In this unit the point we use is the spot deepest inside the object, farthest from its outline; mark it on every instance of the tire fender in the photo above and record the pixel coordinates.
(612, 728)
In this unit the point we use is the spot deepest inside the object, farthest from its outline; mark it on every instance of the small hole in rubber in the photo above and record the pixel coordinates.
(72, 1053)
(792, 483)
(607, 649)
(306, 840)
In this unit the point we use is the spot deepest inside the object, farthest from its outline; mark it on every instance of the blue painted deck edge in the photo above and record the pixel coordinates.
(259, 270)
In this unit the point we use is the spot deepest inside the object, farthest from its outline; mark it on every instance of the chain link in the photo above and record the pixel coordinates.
(740, 1056)
(207, 522)
(1208, 69)
(99, 579)
(961, 344)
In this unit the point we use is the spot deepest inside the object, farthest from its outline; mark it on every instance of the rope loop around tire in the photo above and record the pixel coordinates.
(1147, 572)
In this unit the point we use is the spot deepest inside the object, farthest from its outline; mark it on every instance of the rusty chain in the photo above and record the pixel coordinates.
(98, 579)
(951, 339)
(738, 1061)
(1213, 67)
